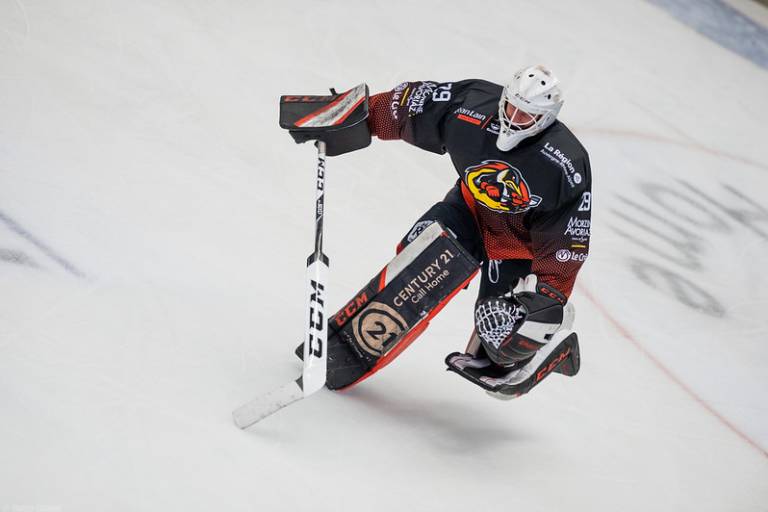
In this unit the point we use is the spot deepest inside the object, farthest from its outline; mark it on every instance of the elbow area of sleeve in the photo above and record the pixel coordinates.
(381, 118)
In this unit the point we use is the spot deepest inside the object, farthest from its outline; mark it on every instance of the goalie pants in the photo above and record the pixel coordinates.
(497, 276)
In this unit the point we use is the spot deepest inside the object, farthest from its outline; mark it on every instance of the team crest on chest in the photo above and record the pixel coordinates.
(500, 187)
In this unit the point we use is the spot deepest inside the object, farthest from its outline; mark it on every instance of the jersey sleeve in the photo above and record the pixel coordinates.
(560, 241)
(414, 112)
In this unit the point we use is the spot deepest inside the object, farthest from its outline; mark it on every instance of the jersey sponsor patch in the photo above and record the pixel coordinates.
(418, 97)
(399, 95)
(493, 127)
(578, 229)
(560, 158)
(410, 98)
(565, 255)
(500, 187)
(470, 116)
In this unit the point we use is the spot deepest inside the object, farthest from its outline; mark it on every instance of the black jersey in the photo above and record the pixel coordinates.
(532, 202)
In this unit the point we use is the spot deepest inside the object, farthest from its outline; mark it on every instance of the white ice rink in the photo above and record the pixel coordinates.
(155, 221)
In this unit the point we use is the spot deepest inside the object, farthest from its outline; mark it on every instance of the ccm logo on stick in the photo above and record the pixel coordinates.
(316, 325)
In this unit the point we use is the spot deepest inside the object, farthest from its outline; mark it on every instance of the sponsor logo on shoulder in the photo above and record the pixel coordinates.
(419, 97)
(557, 156)
(414, 96)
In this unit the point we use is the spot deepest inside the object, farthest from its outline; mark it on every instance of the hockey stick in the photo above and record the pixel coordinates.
(313, 374)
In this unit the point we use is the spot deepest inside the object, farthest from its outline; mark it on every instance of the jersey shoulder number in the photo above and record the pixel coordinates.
(586, 202)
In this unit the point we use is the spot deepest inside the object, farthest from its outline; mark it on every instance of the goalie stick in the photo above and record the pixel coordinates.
(313, 374)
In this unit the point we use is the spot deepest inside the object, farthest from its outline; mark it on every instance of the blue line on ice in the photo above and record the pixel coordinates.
(722, 24)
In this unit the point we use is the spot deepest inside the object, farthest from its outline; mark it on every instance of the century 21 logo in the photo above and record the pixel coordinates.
(316, 319)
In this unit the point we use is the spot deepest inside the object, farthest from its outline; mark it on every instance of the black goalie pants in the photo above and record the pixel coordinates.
(497, 276)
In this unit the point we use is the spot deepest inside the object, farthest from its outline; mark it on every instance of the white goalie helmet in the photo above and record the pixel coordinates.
(534, 100)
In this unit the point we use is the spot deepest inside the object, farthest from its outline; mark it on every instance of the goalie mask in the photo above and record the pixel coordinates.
(529, 103)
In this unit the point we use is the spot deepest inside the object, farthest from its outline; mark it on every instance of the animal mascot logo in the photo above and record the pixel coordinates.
(500, 187)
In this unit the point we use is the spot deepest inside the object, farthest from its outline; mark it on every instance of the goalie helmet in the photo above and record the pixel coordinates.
(534, 99)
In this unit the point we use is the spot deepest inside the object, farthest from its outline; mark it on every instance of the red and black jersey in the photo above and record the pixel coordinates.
(533, 202)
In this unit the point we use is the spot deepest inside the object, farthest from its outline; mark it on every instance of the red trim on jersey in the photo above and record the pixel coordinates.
(380, 120)
(468, 119)
(469, 200)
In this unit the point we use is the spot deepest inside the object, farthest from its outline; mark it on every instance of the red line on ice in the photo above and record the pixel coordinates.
(666, 371)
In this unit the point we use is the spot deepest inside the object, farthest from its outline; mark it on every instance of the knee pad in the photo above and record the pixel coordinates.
(454, 217)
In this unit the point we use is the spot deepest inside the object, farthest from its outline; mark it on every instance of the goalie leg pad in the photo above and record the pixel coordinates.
(560, 355)
(396, 306)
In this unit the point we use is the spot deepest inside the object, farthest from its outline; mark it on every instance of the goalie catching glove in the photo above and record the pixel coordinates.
(519, 339)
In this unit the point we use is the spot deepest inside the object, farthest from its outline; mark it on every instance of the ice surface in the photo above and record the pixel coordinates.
(154, 280)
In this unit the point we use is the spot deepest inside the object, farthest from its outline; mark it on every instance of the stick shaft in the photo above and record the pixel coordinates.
(316, 331)
(320, 201)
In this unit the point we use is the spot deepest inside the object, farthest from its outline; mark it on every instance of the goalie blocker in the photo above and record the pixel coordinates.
(338, 120)
(396, 306)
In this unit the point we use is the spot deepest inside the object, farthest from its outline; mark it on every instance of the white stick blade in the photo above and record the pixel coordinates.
(261, 407)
